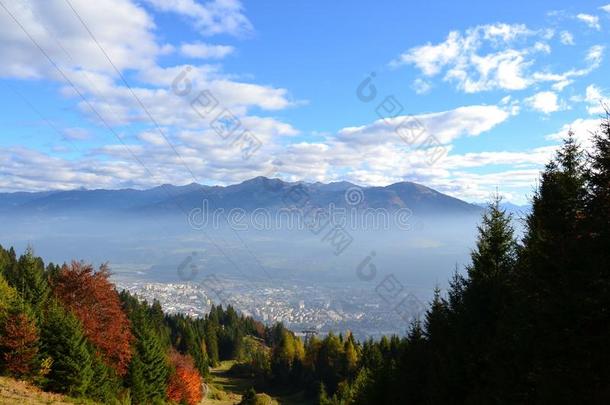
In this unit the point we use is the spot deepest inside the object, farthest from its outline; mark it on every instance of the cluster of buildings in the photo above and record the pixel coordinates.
(300, 307)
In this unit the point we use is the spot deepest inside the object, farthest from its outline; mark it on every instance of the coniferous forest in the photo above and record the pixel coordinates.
(527, 321)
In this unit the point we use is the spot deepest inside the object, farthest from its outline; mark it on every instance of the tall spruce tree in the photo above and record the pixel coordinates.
(149, 371)
(211, 339)
(595, 317)
(28, 277)
(550, 283)
(106, 384)
(7, 260)
(63, 340)
(598, 204)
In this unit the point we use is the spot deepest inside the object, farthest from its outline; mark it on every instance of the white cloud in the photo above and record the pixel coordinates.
(596, 100)
(431, 59)
(606, 8)
(591, 20)
(594, 58)
(32, 170)
(127, 32)
(211, 18)
(595, 54)
(201, 50)
(460, 55)
(498, 56)
(421, 86)
(537, 156)
(566, 38)
(544, 101)
(445, 126)
(124, 29)
(582, 128)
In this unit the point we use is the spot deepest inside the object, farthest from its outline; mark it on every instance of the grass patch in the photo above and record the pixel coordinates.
(20, 392)
(225, 389)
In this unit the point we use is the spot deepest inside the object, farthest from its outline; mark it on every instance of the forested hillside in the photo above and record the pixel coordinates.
(527, 322)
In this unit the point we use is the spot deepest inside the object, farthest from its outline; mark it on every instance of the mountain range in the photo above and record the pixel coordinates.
(259, 192)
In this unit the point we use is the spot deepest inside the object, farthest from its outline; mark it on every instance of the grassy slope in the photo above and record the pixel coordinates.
(226, 388)
(229, 389)
(19, 392)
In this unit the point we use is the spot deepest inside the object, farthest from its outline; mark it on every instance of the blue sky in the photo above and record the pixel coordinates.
(482, 91)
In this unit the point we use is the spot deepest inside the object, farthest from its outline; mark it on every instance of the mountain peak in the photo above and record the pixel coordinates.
(258, 192)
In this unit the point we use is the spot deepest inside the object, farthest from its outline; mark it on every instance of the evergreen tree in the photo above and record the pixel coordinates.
(105, 383)
(7, 260)
(28, 277)
(63, 340)
(486, 299)
(211, 339)
(546, 321)
(149, 371)
(598, 201)
(595, 302)
(439, 338)
(322, 397)
(496, 248)
(351, 356)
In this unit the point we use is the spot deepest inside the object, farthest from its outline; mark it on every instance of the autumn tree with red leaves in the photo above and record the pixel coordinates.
(19, 344)
(93, 299)
(185, 384)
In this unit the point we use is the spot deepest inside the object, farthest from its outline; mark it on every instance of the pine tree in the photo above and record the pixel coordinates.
(496, 248)
(595, 305)
(135, 380)
(598, 204)
(63, 340)
(28, 277)
(322, 397)
(439, 337)
(105, 384)
(7, 260)
(351, 356)
(211, 340)
(551, 286)
(361, 394)
(463, 332)
(149, 370)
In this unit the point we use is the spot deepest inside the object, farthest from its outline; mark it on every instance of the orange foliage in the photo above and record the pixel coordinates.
(185, 384)
(19, 341)
(94, 301)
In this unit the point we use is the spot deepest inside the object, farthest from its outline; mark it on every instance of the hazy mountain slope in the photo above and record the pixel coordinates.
(249, 195)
